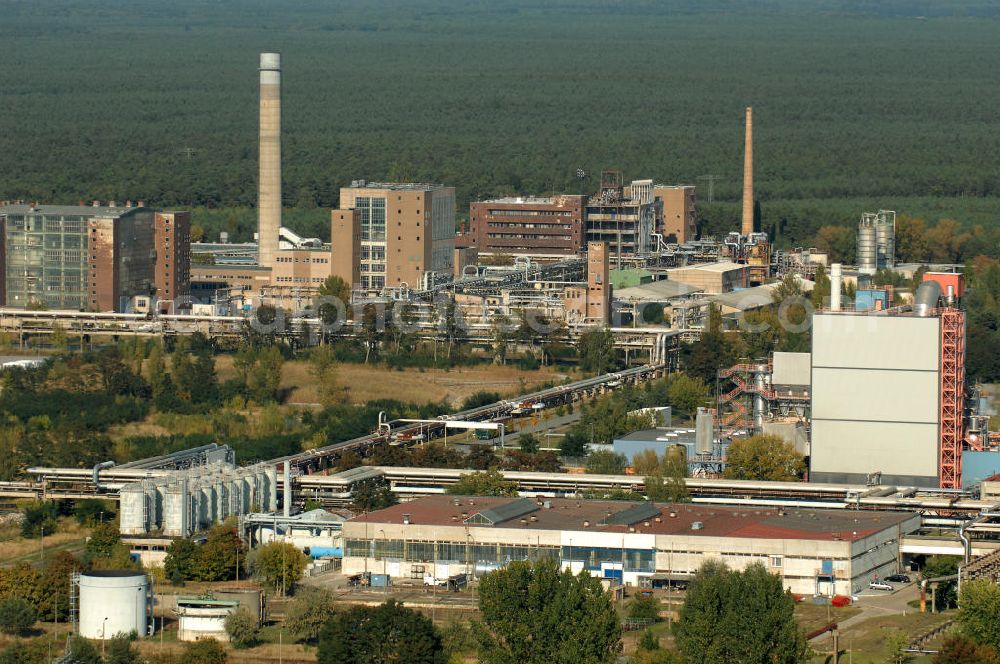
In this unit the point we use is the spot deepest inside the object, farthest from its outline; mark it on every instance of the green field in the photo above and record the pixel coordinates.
(853, 110)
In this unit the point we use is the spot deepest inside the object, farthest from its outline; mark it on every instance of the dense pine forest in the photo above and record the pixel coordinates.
(857, 105)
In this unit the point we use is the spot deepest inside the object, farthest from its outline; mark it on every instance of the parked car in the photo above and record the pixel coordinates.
(898, 578)
(880, 585)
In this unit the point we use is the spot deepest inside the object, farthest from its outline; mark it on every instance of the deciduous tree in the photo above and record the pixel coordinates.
(483, 483)
(278, 565)
(535, 613)
(603, 462)
(738, 617)
(382, 634)
(307, 613)
(978, 609)
(242, 628)
(765, 458)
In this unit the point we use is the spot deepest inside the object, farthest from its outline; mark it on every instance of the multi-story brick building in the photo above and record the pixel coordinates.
(677, 222)
(544, 227)
(96, 258)
(172, 268)
(406, 231)
(591, 303)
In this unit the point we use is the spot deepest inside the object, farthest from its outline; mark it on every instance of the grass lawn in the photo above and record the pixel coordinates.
(14, 549)
(866, 640)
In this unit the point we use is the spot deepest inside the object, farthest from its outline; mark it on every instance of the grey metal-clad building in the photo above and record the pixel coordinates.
(876, 382)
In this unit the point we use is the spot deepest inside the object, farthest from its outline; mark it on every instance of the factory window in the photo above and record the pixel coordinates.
(420, 552)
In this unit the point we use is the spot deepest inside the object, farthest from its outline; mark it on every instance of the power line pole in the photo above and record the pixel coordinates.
(711, 185)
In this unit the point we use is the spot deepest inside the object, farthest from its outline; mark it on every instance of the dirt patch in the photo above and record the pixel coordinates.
(366, 383)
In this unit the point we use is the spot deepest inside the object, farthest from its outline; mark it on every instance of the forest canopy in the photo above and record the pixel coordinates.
(857, 105)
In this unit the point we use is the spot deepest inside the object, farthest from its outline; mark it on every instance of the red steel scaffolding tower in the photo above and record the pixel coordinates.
(952, 396)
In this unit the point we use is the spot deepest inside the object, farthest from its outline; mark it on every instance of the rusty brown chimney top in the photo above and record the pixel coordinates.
(748, 175)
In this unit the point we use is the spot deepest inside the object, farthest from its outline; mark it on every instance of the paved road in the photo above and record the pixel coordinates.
(876, 603)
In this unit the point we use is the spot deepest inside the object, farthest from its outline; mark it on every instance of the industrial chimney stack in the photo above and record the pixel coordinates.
(748, 176)
(269, 185)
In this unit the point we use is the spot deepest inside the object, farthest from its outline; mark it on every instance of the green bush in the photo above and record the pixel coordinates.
(39, 517)
(242, 628)
(17, 615)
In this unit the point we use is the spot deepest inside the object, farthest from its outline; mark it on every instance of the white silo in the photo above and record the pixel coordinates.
(114, 602)
(867, 253)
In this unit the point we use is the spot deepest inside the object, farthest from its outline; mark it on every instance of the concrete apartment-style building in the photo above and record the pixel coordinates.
(677, 222)
(91, 258)
(641, 544)
(551, 227)
(406, 231)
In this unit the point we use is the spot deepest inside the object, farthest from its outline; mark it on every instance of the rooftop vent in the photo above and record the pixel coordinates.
(547, 505)
(697, 525)
(586, 524)
(406, 519)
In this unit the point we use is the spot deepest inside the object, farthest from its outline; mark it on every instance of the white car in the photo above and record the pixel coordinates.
(880, 585)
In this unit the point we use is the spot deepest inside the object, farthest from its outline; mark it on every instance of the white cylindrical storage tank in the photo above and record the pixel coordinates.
(113, 602)
(885, 241)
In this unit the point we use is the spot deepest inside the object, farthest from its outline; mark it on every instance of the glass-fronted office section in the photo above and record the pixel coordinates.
(592, 558)
(46, 261)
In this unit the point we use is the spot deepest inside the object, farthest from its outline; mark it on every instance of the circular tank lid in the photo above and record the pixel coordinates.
(113, 573)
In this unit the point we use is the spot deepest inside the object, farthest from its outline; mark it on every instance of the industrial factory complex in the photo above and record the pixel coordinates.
(876, 404)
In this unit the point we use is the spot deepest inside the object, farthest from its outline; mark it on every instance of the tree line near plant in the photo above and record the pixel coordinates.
(535, 612)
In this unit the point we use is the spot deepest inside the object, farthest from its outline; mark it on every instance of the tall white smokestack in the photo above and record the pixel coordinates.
(836, 277)
(269, 184)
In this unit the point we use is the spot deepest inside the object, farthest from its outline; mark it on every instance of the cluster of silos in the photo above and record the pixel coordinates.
(187, 501)
(113, 602)
(876, 241)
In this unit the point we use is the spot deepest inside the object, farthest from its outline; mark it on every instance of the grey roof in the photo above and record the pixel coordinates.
(395, 186)
(674, 434)
(494, 515)
(357, 474)
(69, 210)
(633, 514)
(663, 289)
(754, 298)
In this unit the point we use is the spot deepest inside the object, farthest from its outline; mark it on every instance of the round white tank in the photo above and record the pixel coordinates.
(112, 602)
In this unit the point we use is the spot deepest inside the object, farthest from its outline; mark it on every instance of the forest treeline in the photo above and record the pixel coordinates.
(857, 105)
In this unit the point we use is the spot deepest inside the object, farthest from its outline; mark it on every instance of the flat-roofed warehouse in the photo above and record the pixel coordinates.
(814, 551)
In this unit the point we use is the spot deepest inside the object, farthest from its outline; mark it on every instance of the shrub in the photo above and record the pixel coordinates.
(16, 615)
(242, 628)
